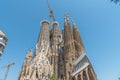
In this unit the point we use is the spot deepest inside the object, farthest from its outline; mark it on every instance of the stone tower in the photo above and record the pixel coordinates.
(26, 67)
(79, 48)
(55, 46)
(43, 37)
(39, 65)
(3, 41)
(58, 53)
(69, 48)
(82, 68)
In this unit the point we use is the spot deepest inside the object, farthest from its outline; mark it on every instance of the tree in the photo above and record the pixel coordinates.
(53, 77)
(115, 1)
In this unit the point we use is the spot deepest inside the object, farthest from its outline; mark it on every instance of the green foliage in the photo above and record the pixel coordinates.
(53, 77)
(115, 1)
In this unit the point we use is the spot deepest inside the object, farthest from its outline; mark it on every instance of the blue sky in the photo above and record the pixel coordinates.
(99, 26)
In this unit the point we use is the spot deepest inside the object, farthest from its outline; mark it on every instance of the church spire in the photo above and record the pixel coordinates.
(44, 33)
(73, 23)
(26, 65)
(77, 40)
(69, 48)
(66, 19)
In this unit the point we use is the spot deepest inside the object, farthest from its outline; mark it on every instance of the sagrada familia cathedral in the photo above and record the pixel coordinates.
(55, 53)
(58, 53)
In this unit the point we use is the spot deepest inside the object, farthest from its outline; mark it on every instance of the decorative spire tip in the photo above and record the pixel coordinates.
(66, 17)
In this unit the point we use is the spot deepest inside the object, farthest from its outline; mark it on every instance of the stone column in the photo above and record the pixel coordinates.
(86, 70)
(93, 74)
(81, 73)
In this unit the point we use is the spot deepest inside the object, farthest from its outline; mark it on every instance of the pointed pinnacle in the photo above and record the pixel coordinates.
(73, 23)
(66, 17)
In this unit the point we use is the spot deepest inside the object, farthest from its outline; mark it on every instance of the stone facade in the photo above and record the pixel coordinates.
(55, 53)
(82, 69)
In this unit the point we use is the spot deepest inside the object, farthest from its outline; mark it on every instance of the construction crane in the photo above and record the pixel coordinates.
(51, 11)
(8, 67)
